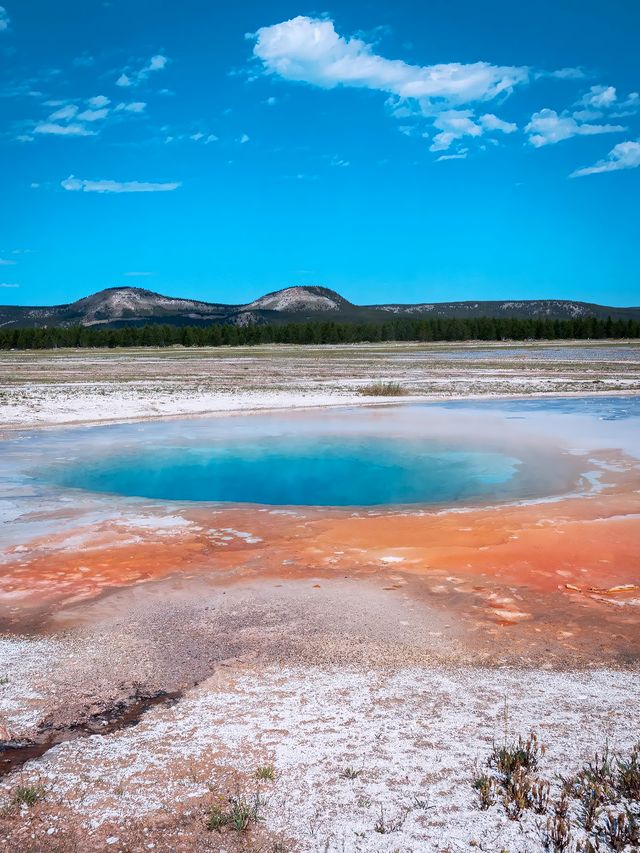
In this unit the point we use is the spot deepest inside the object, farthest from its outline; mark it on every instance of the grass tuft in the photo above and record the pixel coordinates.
(27, 795)
(350, 773)
(383, 389)
(592, 811)
(237, 813)
(265, 773)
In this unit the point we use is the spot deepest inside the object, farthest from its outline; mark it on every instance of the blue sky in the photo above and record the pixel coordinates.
(405, 151)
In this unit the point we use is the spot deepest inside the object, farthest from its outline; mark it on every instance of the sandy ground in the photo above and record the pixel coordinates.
(39, 388)
(368, 661)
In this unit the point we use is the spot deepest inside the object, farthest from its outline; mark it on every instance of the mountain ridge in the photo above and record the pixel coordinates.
(119, 306)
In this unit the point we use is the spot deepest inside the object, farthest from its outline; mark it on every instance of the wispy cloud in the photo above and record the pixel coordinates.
(462, 155)
(4, 19)
(546, 127)
(138, 274)
(8, 284)
(4, 262)
(133, 107)
(197, 136)
(571, 73)
(93, 115)
(54, 129)
(68, 111)
(131, 77)
(625, 155)
(81, 117)
(79, 185)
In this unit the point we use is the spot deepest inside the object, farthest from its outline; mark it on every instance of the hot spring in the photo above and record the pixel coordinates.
(405, 455)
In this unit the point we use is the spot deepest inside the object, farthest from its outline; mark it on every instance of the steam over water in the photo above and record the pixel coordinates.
(447, 454)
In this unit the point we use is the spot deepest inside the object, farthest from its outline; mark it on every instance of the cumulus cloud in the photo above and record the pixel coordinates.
(546, 127)
(78, 185)
(135, 77)
(4, 19)
(244, 139)
(453, 124)
(599, 97)
(624, 155)
(309, 50)
(456, 124)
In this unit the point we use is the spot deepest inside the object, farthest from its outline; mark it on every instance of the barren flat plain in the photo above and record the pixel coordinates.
(184, 674)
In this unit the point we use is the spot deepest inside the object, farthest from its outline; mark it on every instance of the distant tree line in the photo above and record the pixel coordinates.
(322, 332)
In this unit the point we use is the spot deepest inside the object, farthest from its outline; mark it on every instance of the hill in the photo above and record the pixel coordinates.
(116, 307)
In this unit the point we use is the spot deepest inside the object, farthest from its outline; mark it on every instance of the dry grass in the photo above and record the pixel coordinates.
(383, 389)
(596, 809)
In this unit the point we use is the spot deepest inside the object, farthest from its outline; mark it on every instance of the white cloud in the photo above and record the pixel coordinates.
(624, 155)
(566, 73)
(547, 127)
(99, 101)
(456, 124)
(133, 107)
(4, 19)
(63, 129)
(462, 155)
(78, 185)
(599, 97)
(453, 124)
(244, 139)
(7, 284)
(134, 78)
(491, 122)
(93, 115)
(270, 102)
(629, 106)
(138, 274)
(6, 263)
(66, 112)
(156, 63)
(309, 50)
(204, 138)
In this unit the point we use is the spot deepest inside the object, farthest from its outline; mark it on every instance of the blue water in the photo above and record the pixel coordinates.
(309, 471)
